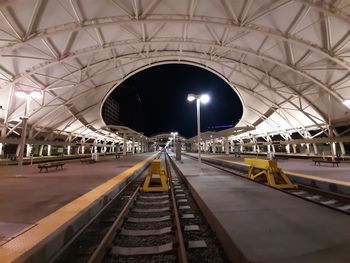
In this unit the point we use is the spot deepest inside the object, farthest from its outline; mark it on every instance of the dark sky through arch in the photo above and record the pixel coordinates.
(154, 100)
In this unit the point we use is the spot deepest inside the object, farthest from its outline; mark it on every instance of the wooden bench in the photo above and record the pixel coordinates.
(88, 161)
(327, 160)
(50, 165)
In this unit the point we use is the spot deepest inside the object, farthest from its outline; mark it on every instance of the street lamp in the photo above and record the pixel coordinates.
(27, 96)
(174, 134)
(204, 98)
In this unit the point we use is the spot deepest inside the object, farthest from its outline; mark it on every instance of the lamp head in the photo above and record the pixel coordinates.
(205, 98)
(36, 94)
(191, 97)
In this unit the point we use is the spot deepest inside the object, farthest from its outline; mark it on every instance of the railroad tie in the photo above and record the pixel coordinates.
(187, 216)
(150, 210)
(197, 244)
(136, 251)
(152, 202)
(329, 202)
(191, 228)
(151, 232)
(148, 219)
(314, 197)
(344, 208)
(164, 196)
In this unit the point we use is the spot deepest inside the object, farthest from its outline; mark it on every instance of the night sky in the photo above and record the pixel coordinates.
(155, 100)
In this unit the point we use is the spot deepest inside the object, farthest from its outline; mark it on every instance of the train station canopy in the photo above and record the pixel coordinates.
(288, 60)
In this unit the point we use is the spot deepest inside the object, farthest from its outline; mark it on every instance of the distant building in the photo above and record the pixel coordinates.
(110, 112)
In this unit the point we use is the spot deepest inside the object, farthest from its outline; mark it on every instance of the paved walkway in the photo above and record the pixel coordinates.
(29, 198)
(267, 225)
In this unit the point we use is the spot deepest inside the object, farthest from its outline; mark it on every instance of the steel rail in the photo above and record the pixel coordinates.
(100, 251)
(182, 256)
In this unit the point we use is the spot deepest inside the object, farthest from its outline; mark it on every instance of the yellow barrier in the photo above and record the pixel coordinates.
(156, 179)
(267, 171)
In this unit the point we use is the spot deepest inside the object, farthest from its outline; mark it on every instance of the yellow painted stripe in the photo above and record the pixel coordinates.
(15, 250)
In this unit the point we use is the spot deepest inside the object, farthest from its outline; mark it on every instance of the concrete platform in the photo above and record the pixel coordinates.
(301, 166)
(300, 171)
(38, 206)
(267, 225)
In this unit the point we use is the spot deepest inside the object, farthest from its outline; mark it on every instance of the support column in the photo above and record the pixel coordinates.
(315, 148)
(41, 150)
(307, 148)
(227, 146)
(48, 150)
(133, 145)
(29, 149)
(214, 146)
(288, 148)
(341, 144)
(241, 147)
(124, 144)
(83, 146)
(3, 135)
(95, 147)
(333, 149)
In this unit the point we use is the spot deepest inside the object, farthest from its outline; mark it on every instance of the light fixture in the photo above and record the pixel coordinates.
(191, 97)
(346, 102)
(205, 98)
(21, 94)
(29, 94)
(36, 94)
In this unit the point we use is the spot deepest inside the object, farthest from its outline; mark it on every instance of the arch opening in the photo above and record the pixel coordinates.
(153, 99)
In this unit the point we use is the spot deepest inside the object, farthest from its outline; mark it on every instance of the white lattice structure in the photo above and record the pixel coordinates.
(288, 60)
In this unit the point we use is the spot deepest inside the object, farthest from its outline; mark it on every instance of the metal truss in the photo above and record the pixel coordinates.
(53, 60)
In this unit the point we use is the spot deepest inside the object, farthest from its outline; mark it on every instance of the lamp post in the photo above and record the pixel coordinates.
(204, 98)
(174, 134)
(28, 96)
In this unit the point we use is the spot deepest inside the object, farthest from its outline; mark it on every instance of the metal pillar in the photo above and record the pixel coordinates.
(24, 134)
(199, 131)
(48, 150)
(29, 149)
(133, 145)
(124, 144)
(227, 148)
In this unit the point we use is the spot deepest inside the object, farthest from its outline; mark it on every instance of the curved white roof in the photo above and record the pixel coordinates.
(288, 60)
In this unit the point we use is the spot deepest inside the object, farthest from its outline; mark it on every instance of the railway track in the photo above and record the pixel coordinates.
(331, 200)
(148, 227)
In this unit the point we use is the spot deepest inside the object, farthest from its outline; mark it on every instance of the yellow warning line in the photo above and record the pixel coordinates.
(16, 249)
